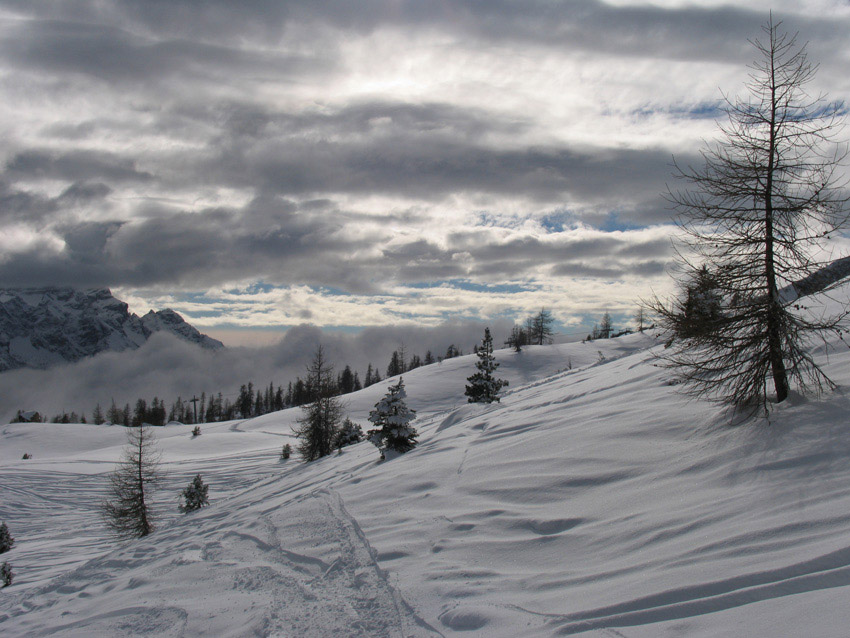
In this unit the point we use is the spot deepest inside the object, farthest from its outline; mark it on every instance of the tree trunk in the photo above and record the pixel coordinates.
(774, 309)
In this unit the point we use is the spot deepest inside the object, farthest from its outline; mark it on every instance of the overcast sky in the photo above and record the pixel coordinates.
(265, 163)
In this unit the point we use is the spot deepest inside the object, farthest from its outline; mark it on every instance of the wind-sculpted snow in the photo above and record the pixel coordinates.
(594, 500)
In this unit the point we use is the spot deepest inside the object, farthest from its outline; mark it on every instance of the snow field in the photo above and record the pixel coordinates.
(592, 501)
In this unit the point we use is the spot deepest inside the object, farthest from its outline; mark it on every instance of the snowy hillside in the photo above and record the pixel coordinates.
(594, 500)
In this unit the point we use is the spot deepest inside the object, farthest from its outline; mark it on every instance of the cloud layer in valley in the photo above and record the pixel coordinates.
(166, 367)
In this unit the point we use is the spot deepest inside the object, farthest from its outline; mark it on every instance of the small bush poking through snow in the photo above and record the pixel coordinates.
(286, 452)
(195, 495)
(6, 540)
(26, 456)
(6, 574)
(196, 431)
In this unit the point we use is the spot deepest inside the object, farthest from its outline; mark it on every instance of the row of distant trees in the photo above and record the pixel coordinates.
(249, 402)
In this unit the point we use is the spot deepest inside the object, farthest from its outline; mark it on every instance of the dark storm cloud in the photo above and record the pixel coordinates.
(609, 256)
(431, 167)
(611, 269)
(74, 166)
(18, 205)
(116, 55)
(280, 242)
(688, 32)
(248, 122)
(269, 236)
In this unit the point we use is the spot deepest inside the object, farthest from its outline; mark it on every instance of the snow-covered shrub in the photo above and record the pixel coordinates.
(6, 574)
(196, 431)
(6, 540)
(348, 434)
(286, 452)
(195, 495)
(392, 418)
(26, 456)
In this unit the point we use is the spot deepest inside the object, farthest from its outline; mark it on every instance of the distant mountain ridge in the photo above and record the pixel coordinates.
(41, 327)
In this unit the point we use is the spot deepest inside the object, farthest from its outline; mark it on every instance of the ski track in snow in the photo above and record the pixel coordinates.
(592, 501)
(301, 568)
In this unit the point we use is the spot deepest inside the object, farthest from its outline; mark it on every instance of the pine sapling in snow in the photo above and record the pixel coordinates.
(6, 540)
(392, 418)
(285, 452)
(195, 495)
(483, 387)
(6, 574)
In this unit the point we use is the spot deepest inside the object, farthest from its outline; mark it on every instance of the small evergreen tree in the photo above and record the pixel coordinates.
(285, 452)
(195, 495)
(605, 327)
(6, 540)
(196, 431)
(517, 339)
(483, 387)
(6, 574)
(395, 366)
(127, 511)
(392, 418)
(317, 428)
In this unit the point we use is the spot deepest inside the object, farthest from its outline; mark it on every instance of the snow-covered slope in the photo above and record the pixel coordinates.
(594, 500)
(40, 327)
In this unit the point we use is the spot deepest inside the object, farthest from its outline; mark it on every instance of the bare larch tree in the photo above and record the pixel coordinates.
(756, 214)
(127, 508)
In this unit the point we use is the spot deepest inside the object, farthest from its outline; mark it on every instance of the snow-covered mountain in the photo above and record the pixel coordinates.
(594, 500)
(40, 327)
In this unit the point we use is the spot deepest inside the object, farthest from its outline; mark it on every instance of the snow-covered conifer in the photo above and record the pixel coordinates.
(392, 418)
(285, 452)
(195, 495)
(348, 434)
(483, 387)
(6, 540)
